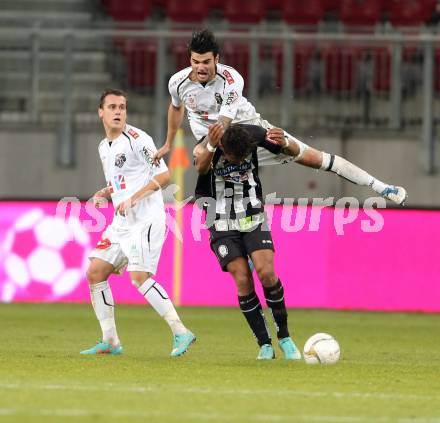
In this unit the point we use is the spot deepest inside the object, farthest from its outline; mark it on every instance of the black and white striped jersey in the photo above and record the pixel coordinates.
(236, 189)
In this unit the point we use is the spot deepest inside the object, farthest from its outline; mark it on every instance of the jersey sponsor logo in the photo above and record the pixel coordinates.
(133, 133)
(237, 177)
(223, 250)
(120, 159)
(218, 98)
(232, 168)
(228, 77)
(231, 98)
(148, 156)
(118, 184)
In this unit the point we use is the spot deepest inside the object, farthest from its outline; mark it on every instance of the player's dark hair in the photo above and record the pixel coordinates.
(238, 142)
(203, 41)
(111, 91)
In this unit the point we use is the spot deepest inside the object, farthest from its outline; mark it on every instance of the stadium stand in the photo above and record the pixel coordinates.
(250, 12)
(302, 12)
(360, 12)
(194, 11)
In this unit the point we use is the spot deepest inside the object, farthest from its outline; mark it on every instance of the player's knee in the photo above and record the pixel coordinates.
(94, 275)
(266, 274)
(244, 284)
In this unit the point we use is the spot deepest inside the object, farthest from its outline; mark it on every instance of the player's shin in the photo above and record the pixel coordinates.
(103, 304)
(275, 301)
(351, 172)
(158, 298)
(251, 308)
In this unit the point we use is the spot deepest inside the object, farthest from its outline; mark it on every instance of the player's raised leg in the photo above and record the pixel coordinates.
(158, 298)
(333, 163)
(103, 305)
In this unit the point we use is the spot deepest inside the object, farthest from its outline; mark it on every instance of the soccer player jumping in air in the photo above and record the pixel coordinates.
(212, 92)
(136, 235)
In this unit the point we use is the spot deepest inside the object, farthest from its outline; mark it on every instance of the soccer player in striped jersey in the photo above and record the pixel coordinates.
(230, 188)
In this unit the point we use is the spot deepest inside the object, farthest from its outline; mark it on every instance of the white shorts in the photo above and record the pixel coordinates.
(138, 247)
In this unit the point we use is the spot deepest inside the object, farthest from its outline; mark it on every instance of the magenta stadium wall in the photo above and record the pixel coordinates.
(350, 259)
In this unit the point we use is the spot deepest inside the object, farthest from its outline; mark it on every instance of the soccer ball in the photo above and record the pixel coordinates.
(321, 348)
(42, 258)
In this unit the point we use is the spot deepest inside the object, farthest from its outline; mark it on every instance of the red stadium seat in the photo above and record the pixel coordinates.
(236, 54)
(302, 59)
(248, 12)
(140, 57)
(331, 5)
(190, 11)
(410, 12)
(341, 68)
(360, 12)
(382, 68)
(302, 12)
(179, 50)
(134, 10)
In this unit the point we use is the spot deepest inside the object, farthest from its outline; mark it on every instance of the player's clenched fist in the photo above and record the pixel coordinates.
(277, 135)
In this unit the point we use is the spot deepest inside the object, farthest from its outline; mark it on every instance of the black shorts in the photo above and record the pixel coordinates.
(228, 245)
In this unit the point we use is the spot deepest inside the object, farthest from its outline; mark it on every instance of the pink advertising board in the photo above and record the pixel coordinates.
(373, 260)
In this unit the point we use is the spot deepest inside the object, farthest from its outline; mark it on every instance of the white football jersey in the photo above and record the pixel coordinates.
(221, 96)
(128, 167)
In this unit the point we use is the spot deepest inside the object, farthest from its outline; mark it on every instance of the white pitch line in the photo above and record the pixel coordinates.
(111, 387)
(193, 416)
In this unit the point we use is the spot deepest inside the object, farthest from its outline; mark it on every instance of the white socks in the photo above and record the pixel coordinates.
(156, 295)
(102, 300)
(351, 172)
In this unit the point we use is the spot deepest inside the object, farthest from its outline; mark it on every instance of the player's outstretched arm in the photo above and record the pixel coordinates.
(175, 118)
(204, 152)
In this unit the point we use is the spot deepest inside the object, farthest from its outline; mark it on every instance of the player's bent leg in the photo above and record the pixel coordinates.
(158, 298)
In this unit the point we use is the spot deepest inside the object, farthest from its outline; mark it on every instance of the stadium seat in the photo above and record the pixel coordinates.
(341, 68)
(140, 57)
(410, 12)
(190, 11)
(360, 12)
(331, 5)
(133, 11)
(249, 12)
(382, 68)
(303, 57)
(179, 50)
(236, 54)
(302, 12)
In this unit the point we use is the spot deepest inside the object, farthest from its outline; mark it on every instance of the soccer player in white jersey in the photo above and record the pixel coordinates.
(137, 232)
(212, 92)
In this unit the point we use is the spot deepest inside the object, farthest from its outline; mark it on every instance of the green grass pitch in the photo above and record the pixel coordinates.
(389, 370)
